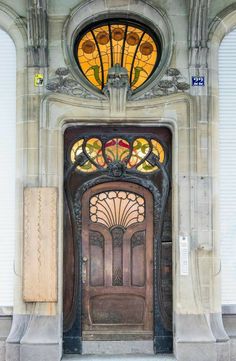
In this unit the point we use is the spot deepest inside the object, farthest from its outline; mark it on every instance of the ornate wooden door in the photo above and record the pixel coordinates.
(117, 236)
(117, 271)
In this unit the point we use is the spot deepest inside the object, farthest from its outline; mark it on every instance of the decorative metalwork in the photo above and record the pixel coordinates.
(117, 208)
(117, 155)
(127, 44)
(172, 82)
(138, 239)
(96, 239)
(116, 169)
(64, 84)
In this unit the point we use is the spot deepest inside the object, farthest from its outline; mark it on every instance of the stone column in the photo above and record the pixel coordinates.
(200, 332)
(35, 333)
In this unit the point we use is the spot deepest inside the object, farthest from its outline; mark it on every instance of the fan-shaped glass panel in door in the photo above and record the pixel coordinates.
(117, 249)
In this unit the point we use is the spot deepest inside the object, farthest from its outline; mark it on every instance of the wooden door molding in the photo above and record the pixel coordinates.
(76, 184)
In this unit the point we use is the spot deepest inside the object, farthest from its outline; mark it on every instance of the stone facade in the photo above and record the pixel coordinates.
(192, 31)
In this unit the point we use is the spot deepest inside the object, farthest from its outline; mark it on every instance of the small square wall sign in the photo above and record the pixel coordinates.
(198, 81)
(38, 80)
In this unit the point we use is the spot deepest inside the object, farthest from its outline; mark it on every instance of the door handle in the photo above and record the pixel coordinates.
(84, 269)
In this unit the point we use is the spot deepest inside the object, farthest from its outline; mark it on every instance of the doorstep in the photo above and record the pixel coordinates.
(158, 357)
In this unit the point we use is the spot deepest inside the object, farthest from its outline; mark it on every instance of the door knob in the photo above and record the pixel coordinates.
(85, 259)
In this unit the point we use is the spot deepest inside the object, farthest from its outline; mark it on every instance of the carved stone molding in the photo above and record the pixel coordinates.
(198, 32)
(117, 89)
(37, 33)
(63, 83)
(172, 82)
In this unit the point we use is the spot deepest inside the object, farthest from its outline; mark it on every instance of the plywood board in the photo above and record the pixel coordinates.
(40, 245)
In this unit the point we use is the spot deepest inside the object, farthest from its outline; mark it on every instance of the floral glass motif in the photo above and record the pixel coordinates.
(126, 44)
(117, 150)
(133, 155)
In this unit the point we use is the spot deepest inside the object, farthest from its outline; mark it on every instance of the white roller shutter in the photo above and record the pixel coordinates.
(7, 166)
(227, 144)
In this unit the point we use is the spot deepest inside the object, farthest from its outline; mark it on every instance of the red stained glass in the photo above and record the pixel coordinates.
(117, 150)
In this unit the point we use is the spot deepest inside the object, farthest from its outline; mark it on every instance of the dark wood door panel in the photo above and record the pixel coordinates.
(120, 309)
(117, 246)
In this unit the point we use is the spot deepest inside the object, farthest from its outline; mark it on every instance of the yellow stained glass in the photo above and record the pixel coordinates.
(128, 45)
(94, 150)
(135, 155)
(141, 149)
(117, 35)
(146, 167)
(158, 150)
(76, 150)
(143, 64)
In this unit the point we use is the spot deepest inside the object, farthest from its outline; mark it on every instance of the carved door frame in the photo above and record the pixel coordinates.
(163, 335)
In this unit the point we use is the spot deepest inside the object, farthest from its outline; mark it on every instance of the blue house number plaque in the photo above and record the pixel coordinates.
(198, 81)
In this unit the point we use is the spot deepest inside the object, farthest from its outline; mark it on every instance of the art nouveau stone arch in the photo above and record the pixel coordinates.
(137, 10)
(222, 24)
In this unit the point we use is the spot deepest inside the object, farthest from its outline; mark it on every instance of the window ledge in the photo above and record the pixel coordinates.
(6, 310)
(229, 309)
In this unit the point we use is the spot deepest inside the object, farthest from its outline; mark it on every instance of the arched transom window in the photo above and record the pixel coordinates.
(128, 44)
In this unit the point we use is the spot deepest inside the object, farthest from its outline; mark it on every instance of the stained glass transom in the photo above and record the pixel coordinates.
(117, 209)
(128, 44)
(136, 154)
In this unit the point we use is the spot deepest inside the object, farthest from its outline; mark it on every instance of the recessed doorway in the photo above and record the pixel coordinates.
(117, 237)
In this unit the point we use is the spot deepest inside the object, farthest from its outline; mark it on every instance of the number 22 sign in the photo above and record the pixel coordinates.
(198, 81)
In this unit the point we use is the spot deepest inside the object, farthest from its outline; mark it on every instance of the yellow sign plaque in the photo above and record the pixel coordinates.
(38, 80)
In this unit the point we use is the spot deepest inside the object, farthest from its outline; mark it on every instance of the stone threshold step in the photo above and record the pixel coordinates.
(138, 357)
